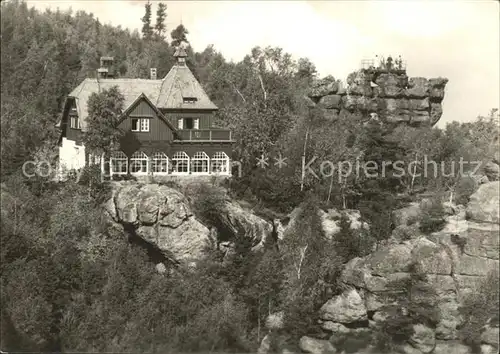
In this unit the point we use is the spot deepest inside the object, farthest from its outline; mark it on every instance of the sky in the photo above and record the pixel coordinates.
(459, 40)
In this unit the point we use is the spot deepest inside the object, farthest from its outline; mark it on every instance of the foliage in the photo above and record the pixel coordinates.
(466, 186)
(179, 35)
(89, 290)
(432, 217)
(478, 308)
(411, 301)
(102, 135)
(161, 16)
(147, 29)
(209, 202)
(348, 243)
(311, 269)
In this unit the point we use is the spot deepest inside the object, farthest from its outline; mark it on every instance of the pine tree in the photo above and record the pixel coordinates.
(179, 35)
(346, 242)
(147, 30)
(161, 15)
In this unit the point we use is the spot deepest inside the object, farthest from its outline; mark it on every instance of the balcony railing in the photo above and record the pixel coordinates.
(204, 135)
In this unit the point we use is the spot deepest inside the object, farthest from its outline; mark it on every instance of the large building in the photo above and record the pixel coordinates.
(167, 125)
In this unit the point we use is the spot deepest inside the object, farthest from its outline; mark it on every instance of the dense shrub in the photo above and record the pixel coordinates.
(466, 186)
(478, 308)
(208, 202)
(432, 217)
(412, 301)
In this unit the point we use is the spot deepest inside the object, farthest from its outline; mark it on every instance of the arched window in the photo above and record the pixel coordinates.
(119, 163)
(159, 163)
(200, 162)
(139, 163)
(220, 163)
(180, 162)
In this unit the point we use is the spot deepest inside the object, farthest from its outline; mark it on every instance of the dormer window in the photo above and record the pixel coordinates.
(189, 100)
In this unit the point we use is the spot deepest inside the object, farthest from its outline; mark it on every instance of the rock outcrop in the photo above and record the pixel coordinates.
(161, 217)
(234, 220)
(390, 94)
(455, 261)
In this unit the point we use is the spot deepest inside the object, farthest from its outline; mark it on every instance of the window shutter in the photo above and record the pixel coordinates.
(197, 123)
(180, 123)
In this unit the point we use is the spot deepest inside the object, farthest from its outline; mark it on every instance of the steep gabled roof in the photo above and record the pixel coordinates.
(168, 93)
(143, 97)
(131, 89)
(178, 84)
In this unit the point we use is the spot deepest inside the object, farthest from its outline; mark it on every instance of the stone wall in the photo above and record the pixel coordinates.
(391, 94)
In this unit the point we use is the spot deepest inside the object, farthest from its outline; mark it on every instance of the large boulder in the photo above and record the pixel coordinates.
(436, 88)
(492, 171)
(323, 87)
(345, 308)
(436, 112)
(483, 204)
(423, 338)
(235, 221)
(391, 85)
(330, 101)
(316, 346)
(407, 215)
(160, 216)
(418, 87)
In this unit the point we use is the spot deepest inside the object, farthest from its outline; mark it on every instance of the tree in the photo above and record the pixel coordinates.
(147, 29)
(412, 300)
(480, 307)
(179, 35)
(347, 242)
(311, 268)
(161, 15)
(102, 135)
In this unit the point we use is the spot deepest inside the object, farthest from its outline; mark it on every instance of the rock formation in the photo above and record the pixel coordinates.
(391, 95)
(162, 217)
(454, 269)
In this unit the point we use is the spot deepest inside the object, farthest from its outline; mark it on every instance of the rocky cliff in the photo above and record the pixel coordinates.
(162, 218)
(392, 95)
(455, 261)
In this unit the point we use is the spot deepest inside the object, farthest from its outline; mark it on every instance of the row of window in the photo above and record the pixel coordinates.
(180, 163)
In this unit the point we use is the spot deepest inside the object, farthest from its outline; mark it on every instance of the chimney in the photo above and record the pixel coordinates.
(106, 68)
(153, 73)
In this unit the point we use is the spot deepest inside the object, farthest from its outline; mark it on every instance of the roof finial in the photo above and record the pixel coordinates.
(180, 53)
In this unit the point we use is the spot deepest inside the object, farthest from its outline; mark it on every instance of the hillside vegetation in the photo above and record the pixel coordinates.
(71, 280)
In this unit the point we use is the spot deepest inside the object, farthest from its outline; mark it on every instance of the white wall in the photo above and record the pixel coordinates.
(71, 156)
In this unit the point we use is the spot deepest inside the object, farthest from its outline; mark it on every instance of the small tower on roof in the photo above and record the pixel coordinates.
(180, 54)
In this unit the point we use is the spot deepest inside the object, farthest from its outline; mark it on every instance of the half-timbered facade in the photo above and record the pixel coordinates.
(167, 126)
